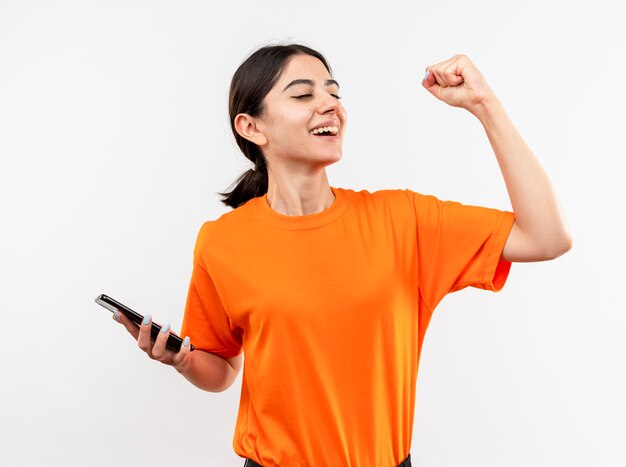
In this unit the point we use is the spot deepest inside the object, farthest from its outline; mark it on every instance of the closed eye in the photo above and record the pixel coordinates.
(309, 95)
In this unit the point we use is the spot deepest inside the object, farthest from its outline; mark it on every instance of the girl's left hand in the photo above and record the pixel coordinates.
(458, 83)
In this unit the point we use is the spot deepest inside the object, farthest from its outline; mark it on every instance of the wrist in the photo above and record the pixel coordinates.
(488, 111)
(487, 106)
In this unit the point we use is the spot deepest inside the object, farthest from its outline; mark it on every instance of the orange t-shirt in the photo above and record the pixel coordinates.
(330, 310)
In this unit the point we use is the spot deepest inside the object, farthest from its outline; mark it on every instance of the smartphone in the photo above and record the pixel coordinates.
(174, 342)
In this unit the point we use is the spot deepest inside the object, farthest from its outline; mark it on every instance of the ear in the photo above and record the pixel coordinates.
(247, 128)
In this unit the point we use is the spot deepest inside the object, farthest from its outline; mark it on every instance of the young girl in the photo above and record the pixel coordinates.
(329, 291)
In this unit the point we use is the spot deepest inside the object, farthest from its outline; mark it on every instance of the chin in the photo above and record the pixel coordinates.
(319, 160)
(331, 160)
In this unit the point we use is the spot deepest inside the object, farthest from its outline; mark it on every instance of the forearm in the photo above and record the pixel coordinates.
(537, 211)
(208, 371)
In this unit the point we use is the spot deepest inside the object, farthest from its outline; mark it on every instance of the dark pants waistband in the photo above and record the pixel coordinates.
(251, 463)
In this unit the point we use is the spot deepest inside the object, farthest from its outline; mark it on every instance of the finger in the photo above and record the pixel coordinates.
(116, 316)
(127, 323)
(159, 350)
(452, 74)
(436, 72)
(445, 73)
(428, 77)
(430, 83)
(143, 340)
(182, 359)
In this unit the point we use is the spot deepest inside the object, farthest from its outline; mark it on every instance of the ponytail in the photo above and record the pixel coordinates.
(250, 184)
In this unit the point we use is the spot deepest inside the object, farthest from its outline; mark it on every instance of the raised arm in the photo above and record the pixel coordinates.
(540, 231)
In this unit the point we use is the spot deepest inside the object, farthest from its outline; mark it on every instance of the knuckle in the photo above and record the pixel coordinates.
(160, 353)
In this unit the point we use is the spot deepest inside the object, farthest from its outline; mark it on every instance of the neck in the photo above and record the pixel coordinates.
(299, 194)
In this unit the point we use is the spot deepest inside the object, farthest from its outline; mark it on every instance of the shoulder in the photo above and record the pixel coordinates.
(226, 226)
(395, 206)
(391, 198)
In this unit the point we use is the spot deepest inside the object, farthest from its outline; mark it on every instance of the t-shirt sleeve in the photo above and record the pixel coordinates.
(205, 320)
(459, 246)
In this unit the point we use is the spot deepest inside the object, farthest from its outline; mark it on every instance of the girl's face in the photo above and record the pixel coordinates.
(304, 98)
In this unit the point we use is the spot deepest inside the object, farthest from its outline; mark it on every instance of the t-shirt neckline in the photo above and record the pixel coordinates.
(307, 221)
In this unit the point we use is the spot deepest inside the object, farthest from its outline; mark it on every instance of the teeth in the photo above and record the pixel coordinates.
(327, 129)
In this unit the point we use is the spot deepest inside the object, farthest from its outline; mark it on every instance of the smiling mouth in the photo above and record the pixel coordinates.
(327, 136)
(325, 131)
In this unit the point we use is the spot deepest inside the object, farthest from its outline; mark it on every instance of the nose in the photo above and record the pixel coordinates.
(329, 104)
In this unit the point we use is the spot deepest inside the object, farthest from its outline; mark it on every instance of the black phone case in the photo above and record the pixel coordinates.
(174, 342)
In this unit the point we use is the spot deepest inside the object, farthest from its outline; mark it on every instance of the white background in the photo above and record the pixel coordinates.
(114, 139)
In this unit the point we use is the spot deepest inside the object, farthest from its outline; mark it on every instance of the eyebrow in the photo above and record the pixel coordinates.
(310, 82)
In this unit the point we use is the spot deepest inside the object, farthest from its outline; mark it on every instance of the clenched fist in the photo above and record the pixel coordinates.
(458, 83)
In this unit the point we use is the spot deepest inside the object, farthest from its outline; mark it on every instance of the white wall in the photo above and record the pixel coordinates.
(114, 140)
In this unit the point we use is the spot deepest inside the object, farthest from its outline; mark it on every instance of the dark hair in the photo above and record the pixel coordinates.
(252, 81)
